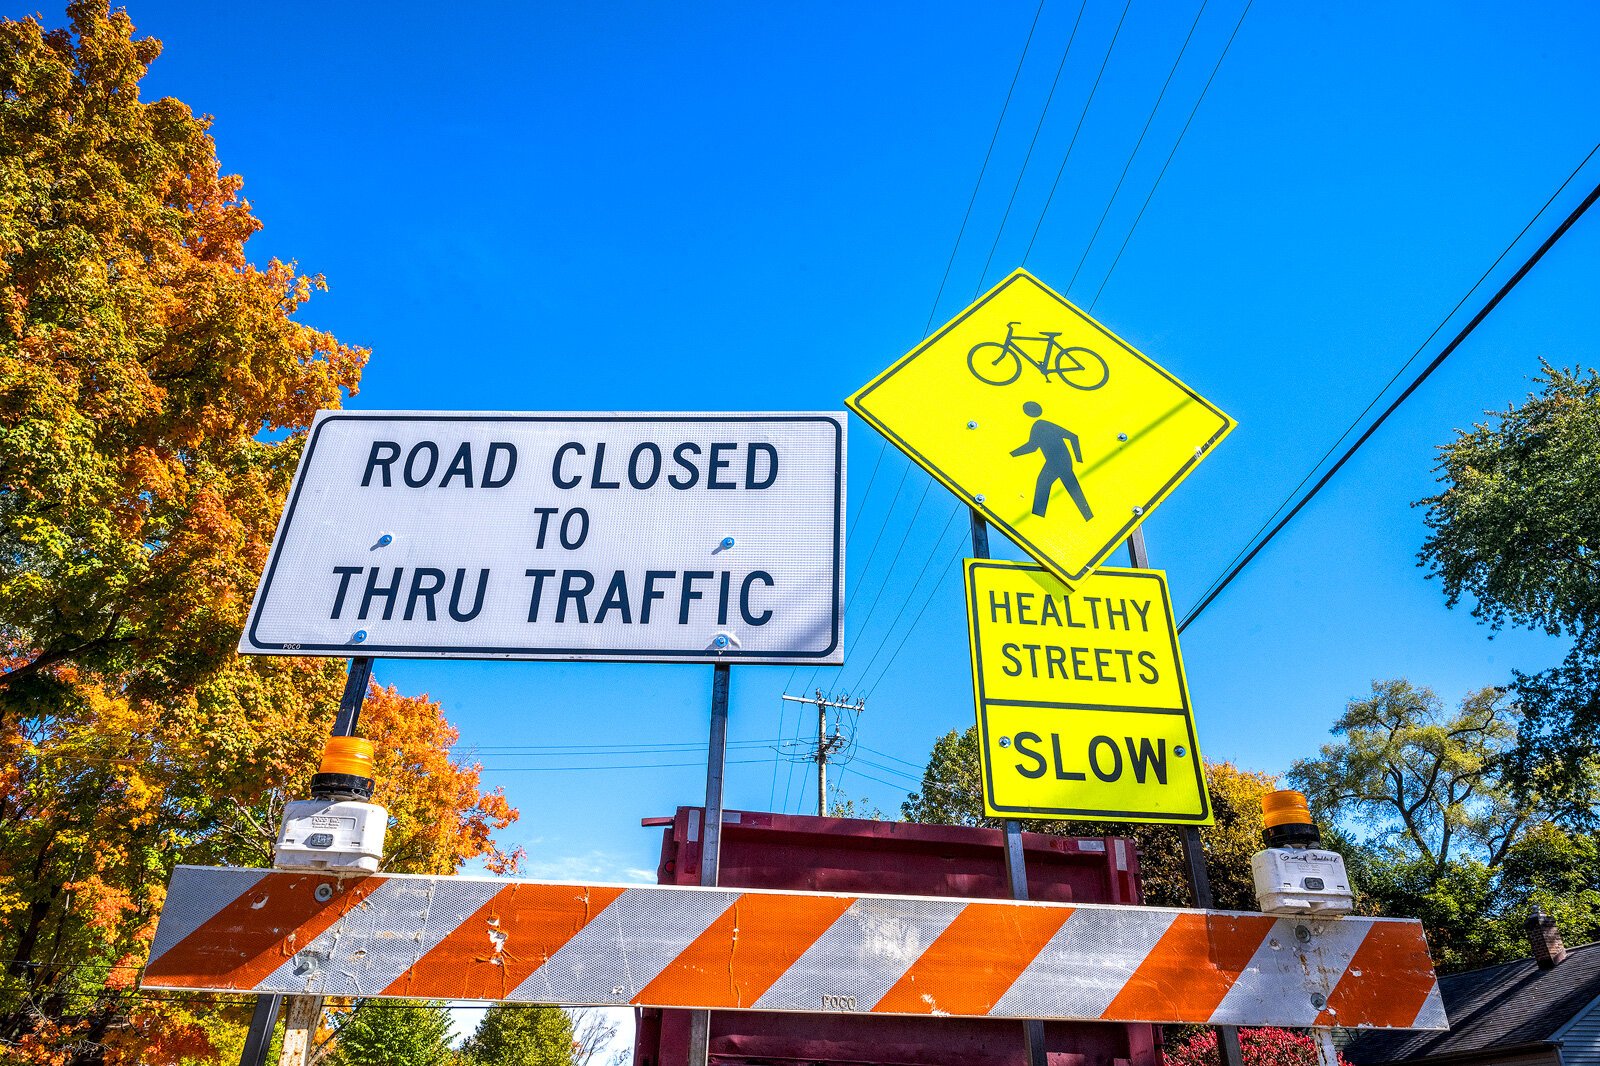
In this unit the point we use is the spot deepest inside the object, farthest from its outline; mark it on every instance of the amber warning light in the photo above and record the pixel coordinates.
(1292, 875)
(337, 830)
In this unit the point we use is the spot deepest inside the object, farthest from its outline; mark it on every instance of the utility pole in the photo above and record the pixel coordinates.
(826, 745)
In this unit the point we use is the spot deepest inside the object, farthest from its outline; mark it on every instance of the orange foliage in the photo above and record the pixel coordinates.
(154, 389)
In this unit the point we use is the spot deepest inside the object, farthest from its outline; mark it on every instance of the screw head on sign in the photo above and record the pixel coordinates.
(979, 497)
(972, 425)
(1180, 751)
(1123, 437)
(727, 542)
(721, 641)
(1005, 742)
(1302, 934)
(359, 636)
(323, 893)
(1318, 1000)
(385, 540)
(1138, 510)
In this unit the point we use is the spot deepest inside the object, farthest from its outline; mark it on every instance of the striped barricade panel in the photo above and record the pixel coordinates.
(465, 938)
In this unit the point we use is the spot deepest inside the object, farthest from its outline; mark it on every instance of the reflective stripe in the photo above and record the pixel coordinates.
(861, 955)
(1085, 964)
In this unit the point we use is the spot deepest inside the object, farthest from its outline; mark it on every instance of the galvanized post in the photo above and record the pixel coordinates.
(1016, 861)
(262, 1019)
(300, 1018)
(711, 835)
(1194, 855)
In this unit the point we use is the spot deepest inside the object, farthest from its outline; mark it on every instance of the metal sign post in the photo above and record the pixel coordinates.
(711, 840)
(1193, 850)
(1016, 862)
(265, 1016)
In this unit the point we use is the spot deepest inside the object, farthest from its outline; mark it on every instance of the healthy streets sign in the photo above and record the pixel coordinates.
(670, 538)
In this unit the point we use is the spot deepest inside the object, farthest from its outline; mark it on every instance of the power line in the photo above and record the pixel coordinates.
(1192, 112)
(912, 629)
(910, 592)
(612, 766)
(1416, 383)
(1413, 358)
(1062, 169)
(1131, 155)
(934, 310)
(1028, 156)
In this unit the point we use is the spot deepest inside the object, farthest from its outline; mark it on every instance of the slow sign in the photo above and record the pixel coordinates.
(667, 537)
(1083, 711)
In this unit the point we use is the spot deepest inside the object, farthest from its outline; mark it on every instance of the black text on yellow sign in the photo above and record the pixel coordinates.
(1083, 711)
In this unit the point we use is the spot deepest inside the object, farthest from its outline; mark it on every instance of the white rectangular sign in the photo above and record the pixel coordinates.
(658, 537)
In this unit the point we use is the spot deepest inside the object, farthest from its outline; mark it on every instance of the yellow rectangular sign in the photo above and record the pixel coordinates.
(1083, 711)
(1060, 433)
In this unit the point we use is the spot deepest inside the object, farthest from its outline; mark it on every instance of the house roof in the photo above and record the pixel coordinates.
(1504, 1006)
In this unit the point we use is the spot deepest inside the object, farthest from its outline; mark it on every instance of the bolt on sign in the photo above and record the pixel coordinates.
(1083, 711)
(633, 537)
(1064, 436)
(467, 938)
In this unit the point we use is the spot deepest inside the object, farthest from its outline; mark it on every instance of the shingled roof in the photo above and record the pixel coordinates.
(1515, 1004)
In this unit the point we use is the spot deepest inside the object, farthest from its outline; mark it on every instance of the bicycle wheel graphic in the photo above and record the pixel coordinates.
(993, 363)
(1081, 368)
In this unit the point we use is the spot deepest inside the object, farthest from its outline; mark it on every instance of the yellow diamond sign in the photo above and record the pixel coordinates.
(1063, 435)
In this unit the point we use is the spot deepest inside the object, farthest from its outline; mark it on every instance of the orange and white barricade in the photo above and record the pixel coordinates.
(466, 938)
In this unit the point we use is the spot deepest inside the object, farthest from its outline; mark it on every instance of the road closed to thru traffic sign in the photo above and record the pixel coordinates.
(660, 537)
(1083, 711)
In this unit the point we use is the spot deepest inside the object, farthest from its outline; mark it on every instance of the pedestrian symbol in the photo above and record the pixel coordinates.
(1059, 432)
(1053, 441)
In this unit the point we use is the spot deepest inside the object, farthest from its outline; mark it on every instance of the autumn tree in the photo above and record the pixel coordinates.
(154, 389)
(951, 794)
(518, 1034)
(142, 357)
(1516, 528)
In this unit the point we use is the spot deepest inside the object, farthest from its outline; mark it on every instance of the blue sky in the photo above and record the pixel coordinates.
(751, 207)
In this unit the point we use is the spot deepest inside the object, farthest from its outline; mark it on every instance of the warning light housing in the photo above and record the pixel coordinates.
(336, 830)
(1291, 876)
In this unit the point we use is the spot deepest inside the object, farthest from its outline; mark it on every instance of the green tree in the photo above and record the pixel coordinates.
(515, 1034)
(951, 794)
(1435, 830)
(1425, 783)
(1517, 528)
(394, 1032)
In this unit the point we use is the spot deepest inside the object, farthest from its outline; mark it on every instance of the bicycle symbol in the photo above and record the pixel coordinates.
(1000, 362)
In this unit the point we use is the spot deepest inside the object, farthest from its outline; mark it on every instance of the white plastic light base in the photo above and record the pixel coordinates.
(343, 836)
(1301, 881)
